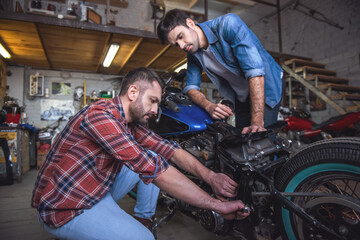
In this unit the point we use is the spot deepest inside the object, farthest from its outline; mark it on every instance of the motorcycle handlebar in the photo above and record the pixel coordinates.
(173, 106)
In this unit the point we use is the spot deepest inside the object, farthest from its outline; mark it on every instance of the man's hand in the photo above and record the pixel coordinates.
(232, 210)
(222, 185)
(176, 184)
(216, 111)
(219, 111)
(253, 128)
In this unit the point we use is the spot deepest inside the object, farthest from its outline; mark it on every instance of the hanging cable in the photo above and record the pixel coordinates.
(314, 14)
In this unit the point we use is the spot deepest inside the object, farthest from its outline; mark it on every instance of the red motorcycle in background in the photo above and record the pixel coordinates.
(302, 130)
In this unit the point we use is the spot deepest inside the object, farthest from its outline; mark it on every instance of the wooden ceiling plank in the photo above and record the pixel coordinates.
(107, 42)
(158, 55)
(137, 44)
(178, 64)
(23, 42)
(81, 49)
(73, 48)
(43, 45)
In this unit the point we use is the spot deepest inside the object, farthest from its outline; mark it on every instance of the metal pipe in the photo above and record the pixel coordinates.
(107, 11)
(206, 9)
(279, 24)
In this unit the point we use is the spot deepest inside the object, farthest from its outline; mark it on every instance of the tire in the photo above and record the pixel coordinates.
(326, 166)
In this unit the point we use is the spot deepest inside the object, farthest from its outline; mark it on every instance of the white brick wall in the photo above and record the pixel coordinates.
(32, 105)
(305, 36)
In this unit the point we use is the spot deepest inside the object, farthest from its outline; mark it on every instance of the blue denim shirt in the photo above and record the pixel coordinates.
(238, 49)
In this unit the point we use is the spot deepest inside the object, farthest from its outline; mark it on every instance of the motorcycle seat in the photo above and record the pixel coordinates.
(230, 134)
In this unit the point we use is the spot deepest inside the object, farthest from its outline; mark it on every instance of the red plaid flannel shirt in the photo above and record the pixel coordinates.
(86, 158)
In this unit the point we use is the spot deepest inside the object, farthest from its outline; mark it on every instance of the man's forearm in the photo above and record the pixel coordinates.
(257, 96)
(199, 99)
(190, 164)
(180, 187)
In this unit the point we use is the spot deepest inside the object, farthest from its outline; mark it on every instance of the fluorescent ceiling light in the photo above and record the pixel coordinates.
(178, 69)
(110, 55)
(3, 52)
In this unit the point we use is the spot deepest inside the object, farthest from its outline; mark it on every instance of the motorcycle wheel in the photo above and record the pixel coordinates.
(330, 166)
(133, 193)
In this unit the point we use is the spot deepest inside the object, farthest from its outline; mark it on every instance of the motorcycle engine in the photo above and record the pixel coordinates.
(201, 146)
(251, 149)
(247, 152)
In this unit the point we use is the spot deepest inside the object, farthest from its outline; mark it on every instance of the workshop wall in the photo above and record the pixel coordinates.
(32, 104)
(15, 83)
(305, 36)
(325, 43)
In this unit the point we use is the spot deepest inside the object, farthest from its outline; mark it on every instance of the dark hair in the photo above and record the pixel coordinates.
(140, 74)
(172, 19)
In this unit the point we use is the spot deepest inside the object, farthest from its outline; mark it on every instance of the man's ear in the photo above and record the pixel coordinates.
(133, 92)
(190, 23)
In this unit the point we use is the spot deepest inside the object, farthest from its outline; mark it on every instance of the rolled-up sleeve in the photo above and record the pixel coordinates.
(150, 140)
(118, 142)
(242, 42)
(193, 74)
(163, 148)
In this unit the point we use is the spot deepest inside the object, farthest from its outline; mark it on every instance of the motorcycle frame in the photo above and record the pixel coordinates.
(275, 194)
(283, 198)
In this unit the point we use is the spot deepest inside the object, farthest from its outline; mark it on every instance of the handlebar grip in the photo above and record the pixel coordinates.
(173, 106)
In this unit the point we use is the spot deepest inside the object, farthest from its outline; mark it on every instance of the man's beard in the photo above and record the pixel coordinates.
(137, 112)
(195, 45)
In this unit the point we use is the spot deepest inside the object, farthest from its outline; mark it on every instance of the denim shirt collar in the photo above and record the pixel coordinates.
(211, 37)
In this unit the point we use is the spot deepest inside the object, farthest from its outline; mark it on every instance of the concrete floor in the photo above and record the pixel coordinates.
(18, 220)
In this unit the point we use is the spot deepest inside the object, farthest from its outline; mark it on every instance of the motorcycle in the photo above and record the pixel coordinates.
(48, 134)
(313, 194)
(302, 130)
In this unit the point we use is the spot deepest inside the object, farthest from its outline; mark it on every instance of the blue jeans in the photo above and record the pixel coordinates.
(106, 220)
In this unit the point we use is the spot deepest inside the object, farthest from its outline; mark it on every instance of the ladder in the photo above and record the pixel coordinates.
(308, 80)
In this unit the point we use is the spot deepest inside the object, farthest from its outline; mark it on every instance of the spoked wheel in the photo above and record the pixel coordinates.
(329, 166)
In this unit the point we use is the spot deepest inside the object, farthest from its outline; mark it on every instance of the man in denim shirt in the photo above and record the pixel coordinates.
(233, 58)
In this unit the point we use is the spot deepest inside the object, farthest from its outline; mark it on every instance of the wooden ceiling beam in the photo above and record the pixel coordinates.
(43, 45)
(178, 64)
(158, 55)
(107, 42)
(137, 44)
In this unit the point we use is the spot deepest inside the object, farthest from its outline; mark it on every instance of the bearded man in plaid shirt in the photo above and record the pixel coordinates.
(103, 152)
